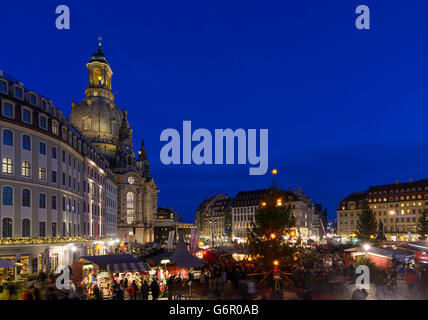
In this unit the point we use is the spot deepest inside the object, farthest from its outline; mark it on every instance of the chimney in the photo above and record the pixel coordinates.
(397, 182)
(410, 180)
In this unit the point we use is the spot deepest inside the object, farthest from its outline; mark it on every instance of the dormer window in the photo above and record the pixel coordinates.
(3, 86)
(8, 110)
(55, 127)
(19, 92)
(33, 99)
(26, 115)
(44, 104)
(43, 122)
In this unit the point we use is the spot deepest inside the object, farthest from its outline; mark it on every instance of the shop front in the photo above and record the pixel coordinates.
(38, 257)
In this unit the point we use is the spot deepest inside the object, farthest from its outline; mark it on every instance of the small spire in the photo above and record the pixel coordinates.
(99, 42)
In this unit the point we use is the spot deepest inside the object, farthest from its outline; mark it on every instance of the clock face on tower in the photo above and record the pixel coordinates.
(127, 148)
(131, 180)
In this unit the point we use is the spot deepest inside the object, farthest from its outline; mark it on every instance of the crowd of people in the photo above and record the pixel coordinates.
(321, 272)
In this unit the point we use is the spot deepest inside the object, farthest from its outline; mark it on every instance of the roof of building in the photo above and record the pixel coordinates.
(404, 185)
(98, 55)
(254, 197)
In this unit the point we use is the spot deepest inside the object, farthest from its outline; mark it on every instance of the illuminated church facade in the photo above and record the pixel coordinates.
(99, 118)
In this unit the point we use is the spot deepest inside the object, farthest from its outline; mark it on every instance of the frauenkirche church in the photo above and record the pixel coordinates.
(106, 126)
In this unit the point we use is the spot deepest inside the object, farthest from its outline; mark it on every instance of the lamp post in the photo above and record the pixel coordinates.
(276, 277)
(274, 173)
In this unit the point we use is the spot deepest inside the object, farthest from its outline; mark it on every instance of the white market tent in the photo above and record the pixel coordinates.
(182, 257)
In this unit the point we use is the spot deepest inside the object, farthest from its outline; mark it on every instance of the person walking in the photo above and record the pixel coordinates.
(145, 290)
(178, 287)
(170, 286)
(133, 289)
(154, 286)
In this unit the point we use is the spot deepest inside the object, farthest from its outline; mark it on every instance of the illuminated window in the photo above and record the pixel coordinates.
(55, 127)
(42, 173)
(97, 78)
(7, 165)
(130, 207)
(26, 168)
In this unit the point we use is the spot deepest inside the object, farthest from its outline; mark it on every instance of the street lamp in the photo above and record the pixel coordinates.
(366, 248)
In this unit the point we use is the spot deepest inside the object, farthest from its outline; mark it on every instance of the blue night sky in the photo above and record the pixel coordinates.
(345, 108)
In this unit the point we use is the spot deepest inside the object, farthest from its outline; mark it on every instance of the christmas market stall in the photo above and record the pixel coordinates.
(106, 269)
(183, 260)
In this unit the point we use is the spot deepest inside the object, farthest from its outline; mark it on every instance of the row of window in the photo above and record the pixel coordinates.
(8, 110)
(18, 93)
(7, 200)
(398, 191)
(72, 230)
(396, 220)
(26, 228)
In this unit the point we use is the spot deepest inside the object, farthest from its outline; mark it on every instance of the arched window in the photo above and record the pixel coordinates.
(7, 228)
(7, 196)
(26, 198)
(130, 200)
(26, 228)
(26, 142)
(87, 124)
(129, 161)
(130, 207)
(8, 137)
(114, 128)
(97, 78)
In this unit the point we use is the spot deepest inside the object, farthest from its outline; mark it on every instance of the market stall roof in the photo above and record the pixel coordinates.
(420, 244)
(128, 267)
(110, 259)
(410, 248)
(385, 252)
(156, 259)
(182, 257)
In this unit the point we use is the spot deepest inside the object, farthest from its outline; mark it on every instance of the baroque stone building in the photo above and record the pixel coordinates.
(213, 218)
(106, 126)
(397, 208)
(247, 203)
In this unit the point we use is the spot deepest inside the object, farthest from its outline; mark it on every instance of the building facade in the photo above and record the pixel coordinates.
(247, 203)
(213, 219)
(166, 221)
(397, 208)
(106, 126)
(44, 162)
